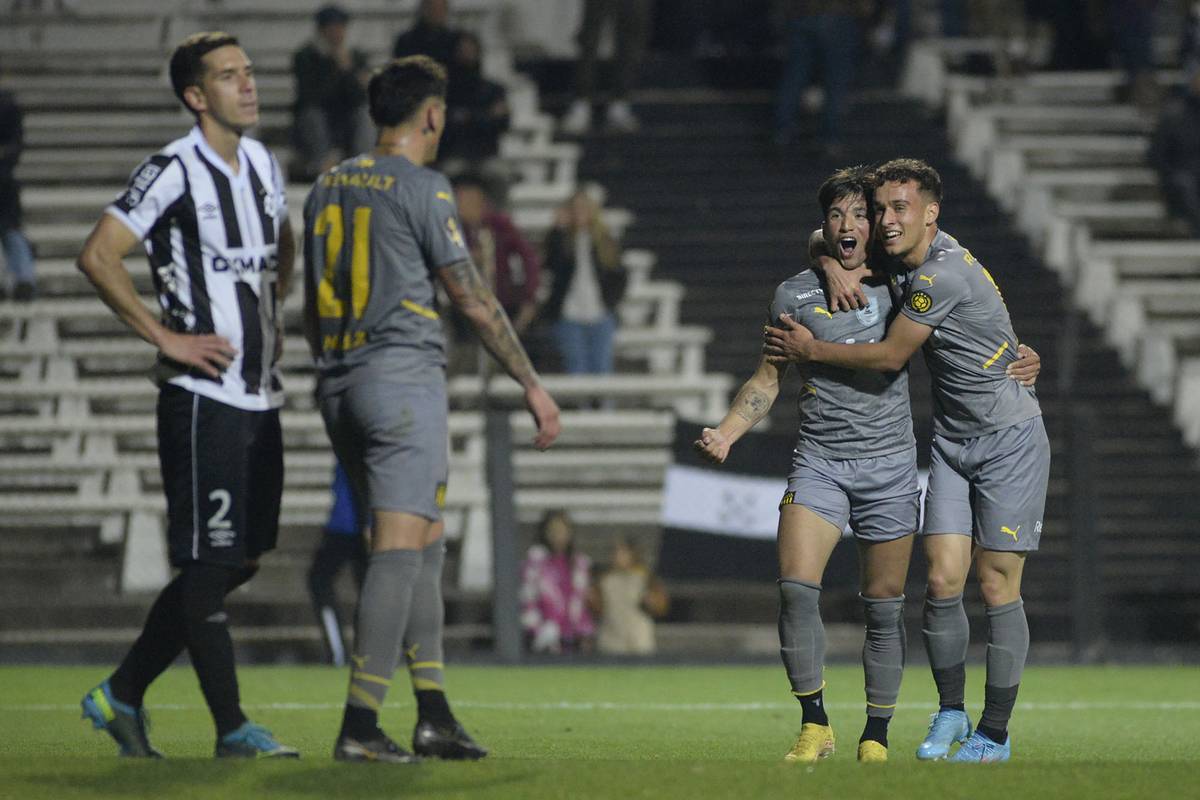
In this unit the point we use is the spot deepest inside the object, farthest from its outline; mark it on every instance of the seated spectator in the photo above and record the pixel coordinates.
(476, 110)
(554, 589)
(431, 35)
(18, 255)
(583, 261)
(628, 599)
(342, 544)
(1175, 151)
(331, 119)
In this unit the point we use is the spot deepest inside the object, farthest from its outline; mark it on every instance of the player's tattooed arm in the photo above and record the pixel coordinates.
(751, 404)
(479, 305)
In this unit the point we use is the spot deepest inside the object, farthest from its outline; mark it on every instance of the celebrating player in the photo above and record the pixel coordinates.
(212, 212)
(380, 228)
(991, 457)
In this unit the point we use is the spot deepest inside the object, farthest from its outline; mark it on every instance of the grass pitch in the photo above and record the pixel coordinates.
(619, 732)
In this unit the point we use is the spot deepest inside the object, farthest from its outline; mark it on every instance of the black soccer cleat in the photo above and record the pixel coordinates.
(447, 741)
(379, 748)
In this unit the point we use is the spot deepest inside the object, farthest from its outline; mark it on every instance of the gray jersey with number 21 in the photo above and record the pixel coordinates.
(376, 230)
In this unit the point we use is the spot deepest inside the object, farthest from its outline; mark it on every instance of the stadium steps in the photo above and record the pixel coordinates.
(724, 211)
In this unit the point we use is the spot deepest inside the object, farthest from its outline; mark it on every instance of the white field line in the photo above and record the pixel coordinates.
(1182, 705)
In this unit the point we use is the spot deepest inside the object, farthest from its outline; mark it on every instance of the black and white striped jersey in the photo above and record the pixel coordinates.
(212, 238)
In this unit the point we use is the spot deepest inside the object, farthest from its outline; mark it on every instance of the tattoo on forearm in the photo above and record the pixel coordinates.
(479, 304)
(751, 404)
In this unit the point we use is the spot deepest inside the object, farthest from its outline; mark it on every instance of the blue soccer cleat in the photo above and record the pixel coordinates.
(979, 749)
(253, 741)
(945, 728)
(124, 723)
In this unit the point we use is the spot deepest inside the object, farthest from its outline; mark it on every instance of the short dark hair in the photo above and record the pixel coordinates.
(331, 15)
(187, 62)
(903, 170)
(846, 182)
(398, 89)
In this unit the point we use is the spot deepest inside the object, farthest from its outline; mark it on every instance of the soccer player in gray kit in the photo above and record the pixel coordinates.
(381, 231)
(991, 457)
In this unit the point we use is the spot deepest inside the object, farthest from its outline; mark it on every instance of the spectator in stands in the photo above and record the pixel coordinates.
(588, 280)
(342, 543)
(631, 30)
(506, 261)
(1079, 32)
(18, 255)
(628, 599)
(1175, 150)
(1133, 36)
(431, 35)
(500, 250)
(555, 579)
(331, 120)
(476, 111)
(828, 33)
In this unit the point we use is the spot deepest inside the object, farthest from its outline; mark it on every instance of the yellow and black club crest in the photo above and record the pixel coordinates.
(920, 302)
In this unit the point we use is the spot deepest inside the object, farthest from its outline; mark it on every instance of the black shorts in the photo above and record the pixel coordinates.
(222, 470)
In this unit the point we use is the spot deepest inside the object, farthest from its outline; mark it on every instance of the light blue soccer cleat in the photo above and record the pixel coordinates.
(945, 728)
(979, 749)
(124, 723)
(253, 741)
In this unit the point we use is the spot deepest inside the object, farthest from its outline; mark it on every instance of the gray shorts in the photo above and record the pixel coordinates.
(992, 487)
(878, 497)
(393, 441)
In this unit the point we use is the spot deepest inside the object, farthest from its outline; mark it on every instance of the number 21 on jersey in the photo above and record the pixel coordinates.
(330, 224)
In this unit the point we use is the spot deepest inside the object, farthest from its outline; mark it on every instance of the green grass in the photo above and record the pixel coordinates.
(622, 732)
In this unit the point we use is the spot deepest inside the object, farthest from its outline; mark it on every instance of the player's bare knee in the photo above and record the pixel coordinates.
(998, 587)
(883, 587)
(944, 582)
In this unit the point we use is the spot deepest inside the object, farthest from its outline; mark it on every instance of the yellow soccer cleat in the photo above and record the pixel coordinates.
(815, 742)
(871, 752)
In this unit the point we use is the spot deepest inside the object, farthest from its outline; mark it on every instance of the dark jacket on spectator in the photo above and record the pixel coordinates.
(12, 141)
(423, 39)
(321, 83)
(560, 263)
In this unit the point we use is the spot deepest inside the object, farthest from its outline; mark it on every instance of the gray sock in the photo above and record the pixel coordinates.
(423, 637)
(1008, 646)
(383, 610)
(801, 635)
(883, 653)
(947, 633)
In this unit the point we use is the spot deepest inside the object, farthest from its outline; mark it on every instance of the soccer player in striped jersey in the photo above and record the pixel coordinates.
(211, 212)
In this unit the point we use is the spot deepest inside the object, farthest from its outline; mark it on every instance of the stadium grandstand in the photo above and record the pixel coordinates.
(1049, 176)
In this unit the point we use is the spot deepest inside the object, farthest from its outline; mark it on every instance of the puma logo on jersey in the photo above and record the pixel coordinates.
(444, 196)
(927, 278)
(1010, 531)
(820, 310)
